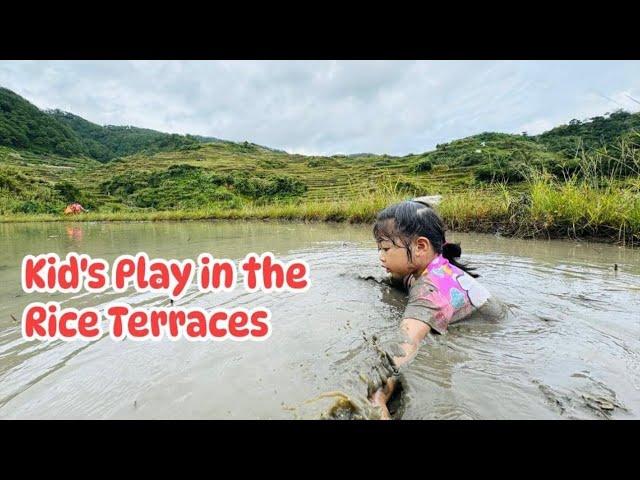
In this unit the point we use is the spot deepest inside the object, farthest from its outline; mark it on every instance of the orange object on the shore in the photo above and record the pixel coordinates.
(73, 209)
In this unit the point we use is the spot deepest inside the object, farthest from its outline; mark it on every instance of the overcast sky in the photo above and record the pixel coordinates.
(329, 107)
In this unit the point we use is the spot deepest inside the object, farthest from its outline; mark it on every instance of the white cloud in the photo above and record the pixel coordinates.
(536, 127)
(325, 107)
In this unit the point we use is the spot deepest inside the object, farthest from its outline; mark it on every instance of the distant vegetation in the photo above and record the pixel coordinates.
(23, 125)
(109, 142)
(594, 133)
(187, 187)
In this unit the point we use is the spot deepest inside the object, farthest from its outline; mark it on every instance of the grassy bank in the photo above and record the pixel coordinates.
(546, 208)
(363, 209)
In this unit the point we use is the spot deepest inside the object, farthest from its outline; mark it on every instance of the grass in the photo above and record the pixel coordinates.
(578, 209)
(600, 199)
(355, 211)
(549, 209)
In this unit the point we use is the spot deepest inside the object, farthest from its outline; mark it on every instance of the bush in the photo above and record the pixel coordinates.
(126, 184)
(500, 170)
(181, 170)
(406, 187)
(68, 192)
(274, 164)
(316, 162)
(187, 186)
(8, 181)
(37, 205)
(274, 186)
(423, 165)
(146, 198)
(471, 159)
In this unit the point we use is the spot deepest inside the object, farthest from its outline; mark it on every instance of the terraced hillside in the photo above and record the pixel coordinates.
(327, 178)
(475, 161)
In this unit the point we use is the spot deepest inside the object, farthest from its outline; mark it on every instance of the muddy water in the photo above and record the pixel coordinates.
(566, 346)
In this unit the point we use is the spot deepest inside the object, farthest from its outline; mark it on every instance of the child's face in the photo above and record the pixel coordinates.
(395, 259)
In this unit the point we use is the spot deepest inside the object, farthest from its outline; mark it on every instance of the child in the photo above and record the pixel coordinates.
(411, 240)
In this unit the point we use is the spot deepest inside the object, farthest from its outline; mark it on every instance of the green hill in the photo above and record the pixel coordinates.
(105, 143)
(23, 125)
(494, 156)
(597, 132)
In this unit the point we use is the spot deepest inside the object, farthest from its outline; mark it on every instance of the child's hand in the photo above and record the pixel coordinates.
(382, 396)
(379, 400)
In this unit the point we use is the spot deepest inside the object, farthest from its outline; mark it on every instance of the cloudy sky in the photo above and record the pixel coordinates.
(328, 107)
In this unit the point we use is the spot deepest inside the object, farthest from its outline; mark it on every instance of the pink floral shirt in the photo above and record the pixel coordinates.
(444, 294)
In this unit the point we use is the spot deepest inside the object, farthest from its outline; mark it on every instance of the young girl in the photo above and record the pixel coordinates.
(411, 240)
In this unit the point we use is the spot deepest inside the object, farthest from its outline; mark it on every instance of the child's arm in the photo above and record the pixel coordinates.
(413, 332)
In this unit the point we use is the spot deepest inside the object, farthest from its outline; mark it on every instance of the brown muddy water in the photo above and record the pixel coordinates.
(567, 344)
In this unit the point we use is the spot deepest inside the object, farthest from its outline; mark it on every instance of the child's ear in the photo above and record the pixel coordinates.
(423, 245)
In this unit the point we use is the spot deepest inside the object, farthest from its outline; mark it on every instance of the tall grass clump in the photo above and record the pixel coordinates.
(600, 198)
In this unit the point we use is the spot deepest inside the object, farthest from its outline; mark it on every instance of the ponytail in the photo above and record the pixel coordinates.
(452, 251)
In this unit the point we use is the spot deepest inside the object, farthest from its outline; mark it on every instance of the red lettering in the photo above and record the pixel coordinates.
(251, 266)
(65, 318)
(268, 270)
(158, 319)
(32, 320)
(262, 326)
(49, 321)
(68, 275)
(117, 312)
(237, 321)
(176, 318)
(51, 273)
(88, 325)
(32, 273)
(225, 268)
(140, 271)
(198, 325)
(124, 269)
(213, 328)
(159, 279)
(295, 275)
(137, 324)
(98, 278)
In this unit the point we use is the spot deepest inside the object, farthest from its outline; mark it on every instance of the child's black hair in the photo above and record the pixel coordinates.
(408, 220)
